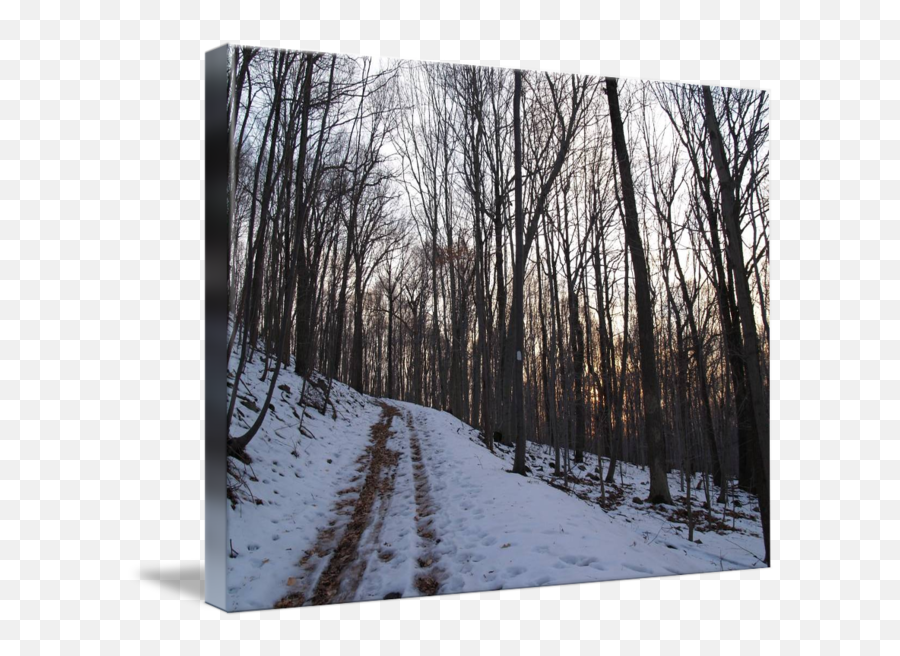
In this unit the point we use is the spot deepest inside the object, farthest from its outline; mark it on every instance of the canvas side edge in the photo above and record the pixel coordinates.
(216, 240)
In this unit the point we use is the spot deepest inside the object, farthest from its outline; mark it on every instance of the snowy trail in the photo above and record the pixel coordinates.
(344, 552)
(375, 499)
(387, 547)
(438, 513)
(287, 496)
(388, 562)
(501, 530)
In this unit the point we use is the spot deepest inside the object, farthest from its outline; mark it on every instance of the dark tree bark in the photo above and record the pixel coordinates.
(518, 286)
(576, 339)
(356, 349)
(255, 249)
(734, 248)
(240, 443)
(663, 190)
(619, 412)
(659, 484)
(308, 291)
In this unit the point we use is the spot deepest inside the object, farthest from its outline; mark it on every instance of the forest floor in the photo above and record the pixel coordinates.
(368, 499)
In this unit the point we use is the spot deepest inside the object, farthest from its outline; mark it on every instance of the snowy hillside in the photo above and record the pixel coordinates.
(375, 499)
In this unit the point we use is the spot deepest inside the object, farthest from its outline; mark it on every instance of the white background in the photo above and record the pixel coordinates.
(101, 324)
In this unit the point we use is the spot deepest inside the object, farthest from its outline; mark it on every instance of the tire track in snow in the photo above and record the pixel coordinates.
(468, 541)
(389, 553)
(370, 539)
(342, 574)
(428, 581)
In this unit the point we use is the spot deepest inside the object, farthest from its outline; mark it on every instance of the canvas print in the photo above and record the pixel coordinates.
(486, 328)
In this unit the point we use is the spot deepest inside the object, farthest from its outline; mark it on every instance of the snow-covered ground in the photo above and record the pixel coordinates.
(283, 499)
(421, 505)
(501, 530)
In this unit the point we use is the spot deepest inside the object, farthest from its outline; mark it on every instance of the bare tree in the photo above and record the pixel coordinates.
(734, 249)
(518, 315)
(471, 239)
(659, 485)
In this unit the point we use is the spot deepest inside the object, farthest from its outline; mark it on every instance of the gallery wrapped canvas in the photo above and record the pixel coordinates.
(474, 329)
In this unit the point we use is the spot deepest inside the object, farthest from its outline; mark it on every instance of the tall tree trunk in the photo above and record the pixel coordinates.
(435, 329)
(518, 286)
(308, 292)
(619, 412)
(576, 343)
(356, 349)
(504, 396)
(240, 443)
(700, 358)
(659, 484)
(734, 248)
(390, 344)
(548, 384)
(418, 345)
(341, 309)
(483, 381)
(255, 249)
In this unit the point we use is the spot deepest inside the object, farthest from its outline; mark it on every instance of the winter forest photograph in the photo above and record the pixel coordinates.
(490, 329)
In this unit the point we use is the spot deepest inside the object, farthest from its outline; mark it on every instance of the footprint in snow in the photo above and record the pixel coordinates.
(469, 556)
(580, 561)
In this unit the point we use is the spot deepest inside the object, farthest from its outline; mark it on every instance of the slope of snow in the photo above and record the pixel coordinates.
(296, 493)
(448, 514)
(501, 530)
